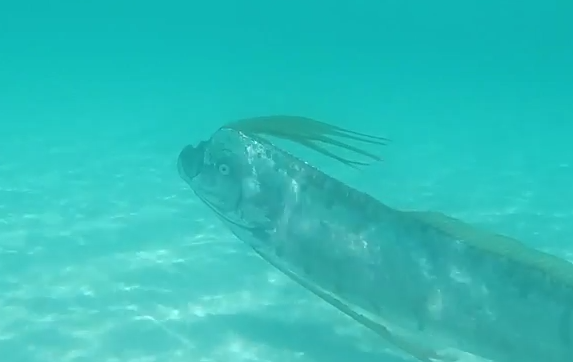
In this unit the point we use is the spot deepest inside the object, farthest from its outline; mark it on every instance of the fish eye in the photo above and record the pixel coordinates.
(224, 169)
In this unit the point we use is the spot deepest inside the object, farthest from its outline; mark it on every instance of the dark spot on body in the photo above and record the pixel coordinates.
(421, 317)
(329, 201)
(565, 326)
(302, 187)
(523, 290)
(505, 343)
(375, 306)
(306, 268)
(280, 250)
(337, 283)
(261, 234)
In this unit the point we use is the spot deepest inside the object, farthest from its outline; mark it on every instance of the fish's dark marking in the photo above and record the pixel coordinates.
(307, 266)
(329, 202)
(505, 343)
(360, 199)
(280, 250)
(421, 324)
(260, 233)
(522, 287)
(565, 326)
(372, 209)
(302, 187)
(375, 306)
(421, 315)
(320, 181)
(523, 290)
(338, 283)
(329, 194)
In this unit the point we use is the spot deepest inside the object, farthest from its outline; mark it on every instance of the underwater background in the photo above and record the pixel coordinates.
(106, 255)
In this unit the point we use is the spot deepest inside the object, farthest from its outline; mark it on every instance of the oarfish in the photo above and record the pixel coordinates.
(431, 285)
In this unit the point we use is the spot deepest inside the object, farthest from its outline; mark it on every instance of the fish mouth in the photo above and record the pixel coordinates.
(190, 161)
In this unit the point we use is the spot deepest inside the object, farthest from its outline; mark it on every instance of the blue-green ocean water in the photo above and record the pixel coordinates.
(105, 254)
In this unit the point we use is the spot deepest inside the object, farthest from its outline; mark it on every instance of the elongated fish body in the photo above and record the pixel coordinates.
(425, 282)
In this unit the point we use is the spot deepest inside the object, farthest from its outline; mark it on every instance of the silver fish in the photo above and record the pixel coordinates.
(431, 285)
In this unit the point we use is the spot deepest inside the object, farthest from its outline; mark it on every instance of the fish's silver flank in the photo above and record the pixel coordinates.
(433, 286)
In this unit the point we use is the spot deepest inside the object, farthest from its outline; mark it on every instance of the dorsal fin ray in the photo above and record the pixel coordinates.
(328, 153)
(501, 245)
(308, 133)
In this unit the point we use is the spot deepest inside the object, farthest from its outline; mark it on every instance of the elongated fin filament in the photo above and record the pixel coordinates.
(309, 133)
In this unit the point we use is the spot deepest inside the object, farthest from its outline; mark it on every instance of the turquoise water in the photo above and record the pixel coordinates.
(105, 254)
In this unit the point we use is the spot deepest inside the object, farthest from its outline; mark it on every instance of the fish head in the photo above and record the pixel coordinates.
(214, 172)
(225, 172)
